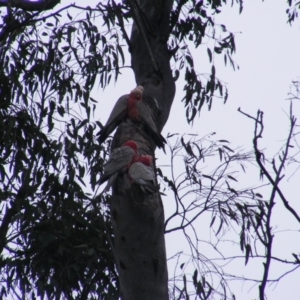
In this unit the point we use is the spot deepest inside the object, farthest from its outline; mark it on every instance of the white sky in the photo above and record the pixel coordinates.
(268, 55)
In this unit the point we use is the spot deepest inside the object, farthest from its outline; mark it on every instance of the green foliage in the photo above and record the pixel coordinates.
(53, 240)
(54, 235)
(292, 10)
(192, 24)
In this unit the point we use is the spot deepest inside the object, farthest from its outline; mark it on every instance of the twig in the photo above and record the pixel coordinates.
(122, 27)
(259, 127)
(265, 172)
(176, 13)
(53, 14)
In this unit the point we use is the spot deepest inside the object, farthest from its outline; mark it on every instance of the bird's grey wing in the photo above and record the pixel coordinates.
(117, 114)
(146, 115)
(144, 176)
(118, 160)
(119, 108)
(147, 119)
(141, 173)
(110, 181)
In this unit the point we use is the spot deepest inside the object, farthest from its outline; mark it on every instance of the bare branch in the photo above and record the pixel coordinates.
(268, 238)
(122, 27)
(264, 170)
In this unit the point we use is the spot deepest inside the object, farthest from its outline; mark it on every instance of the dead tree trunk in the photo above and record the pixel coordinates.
(138, 218)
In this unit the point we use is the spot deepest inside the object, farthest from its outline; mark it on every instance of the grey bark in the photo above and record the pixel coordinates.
(154, 18)
(138, 218)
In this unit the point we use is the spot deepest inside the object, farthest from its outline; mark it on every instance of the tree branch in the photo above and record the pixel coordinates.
(265, 172)
(122, 27)
(259, 127)
(141, 29)
(176, 13)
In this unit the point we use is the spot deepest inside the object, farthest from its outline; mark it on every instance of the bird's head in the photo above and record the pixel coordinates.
(146, 160)
(131, 144)
(137, 93)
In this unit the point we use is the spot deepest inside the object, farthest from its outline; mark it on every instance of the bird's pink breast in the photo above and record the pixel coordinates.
(133, 112)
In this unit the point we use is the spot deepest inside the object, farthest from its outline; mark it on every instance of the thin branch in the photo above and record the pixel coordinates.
(284, 261)
(259, 128)
(265, 172)
(53, 14)
(175, 15)
(286, 273)
(122, 27)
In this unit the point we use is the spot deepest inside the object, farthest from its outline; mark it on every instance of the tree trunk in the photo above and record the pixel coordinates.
(138, 218)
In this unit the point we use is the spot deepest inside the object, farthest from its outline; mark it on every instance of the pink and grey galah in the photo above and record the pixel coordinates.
(119, 161)
(132, 106)
(141, 172)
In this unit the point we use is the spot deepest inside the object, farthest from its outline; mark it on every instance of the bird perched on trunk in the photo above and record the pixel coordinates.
(141, 172)
(132, 106)
(119, 161)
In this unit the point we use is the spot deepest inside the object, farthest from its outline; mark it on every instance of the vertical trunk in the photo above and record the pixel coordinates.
(138, 218)
(154, 18)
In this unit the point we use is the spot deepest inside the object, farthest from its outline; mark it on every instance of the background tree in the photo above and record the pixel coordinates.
(57, 239)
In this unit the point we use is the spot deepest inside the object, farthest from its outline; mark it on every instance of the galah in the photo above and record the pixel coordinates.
(119, 161)
(141, 172)
(132, 106)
